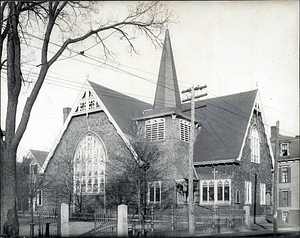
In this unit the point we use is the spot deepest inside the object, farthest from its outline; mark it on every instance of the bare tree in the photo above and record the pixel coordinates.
(30, 183)
(17, 20)
(130, 180)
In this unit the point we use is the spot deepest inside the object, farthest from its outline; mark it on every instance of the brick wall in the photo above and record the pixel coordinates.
(245, 170)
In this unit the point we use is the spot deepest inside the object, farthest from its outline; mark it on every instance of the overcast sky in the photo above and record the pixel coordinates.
(229, 46)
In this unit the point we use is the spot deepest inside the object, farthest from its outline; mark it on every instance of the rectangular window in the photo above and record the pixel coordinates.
(204, 193)
(211, 191)
(262, 194)
(284, 149)
(34, 169)
(285, 174)
(285, 198)
(226, 192)
(155, 129)
(40, 198)
(185, 127)
(248, 192)
(237, 196)
(285, 216)
(154, 192)
(220, 191)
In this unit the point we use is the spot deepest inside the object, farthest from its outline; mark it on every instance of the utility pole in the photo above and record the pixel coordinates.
(275, 177)
(191, 156)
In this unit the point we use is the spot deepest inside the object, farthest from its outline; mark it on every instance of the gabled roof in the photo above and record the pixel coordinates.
(121, 107)
(225, 121)
(39, 155)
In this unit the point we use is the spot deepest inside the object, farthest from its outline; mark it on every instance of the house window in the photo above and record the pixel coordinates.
(155, 129)
(248, 192)
(185, 127)
(237, 196)
(255, 145)
(284, 174)
(204, 192)
(262, 194)
(34, 169)
(154, 192)
(285, 216)
(40, 198)
(284, 198)
(284, 149)
(220, 187)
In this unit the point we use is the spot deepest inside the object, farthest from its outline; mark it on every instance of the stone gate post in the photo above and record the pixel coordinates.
(63, 221)
(122, 226)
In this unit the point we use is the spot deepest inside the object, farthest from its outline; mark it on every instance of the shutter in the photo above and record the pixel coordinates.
(280, 198)
(289, 174)
(289, 199)
(280, 175)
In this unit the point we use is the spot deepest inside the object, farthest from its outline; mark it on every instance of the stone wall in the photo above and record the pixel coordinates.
(96, 124)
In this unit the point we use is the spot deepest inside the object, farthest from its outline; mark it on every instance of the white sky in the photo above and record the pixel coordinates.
(229, 46)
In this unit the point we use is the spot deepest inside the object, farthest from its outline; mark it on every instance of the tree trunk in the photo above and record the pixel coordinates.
(31, 208)
(9, 216)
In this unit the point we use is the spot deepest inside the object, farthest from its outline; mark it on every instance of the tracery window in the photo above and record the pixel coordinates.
(89, 166)
(217, 191)
(87, 103)
(255, 145)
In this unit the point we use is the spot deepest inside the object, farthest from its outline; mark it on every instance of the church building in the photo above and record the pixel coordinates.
(232, 157)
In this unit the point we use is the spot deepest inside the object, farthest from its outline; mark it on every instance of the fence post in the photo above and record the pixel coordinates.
(172, 217)
(152, 218)
(122, 225)
(247, 216)
(63, 221)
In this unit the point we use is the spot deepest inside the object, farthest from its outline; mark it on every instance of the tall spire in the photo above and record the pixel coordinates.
(167, 90)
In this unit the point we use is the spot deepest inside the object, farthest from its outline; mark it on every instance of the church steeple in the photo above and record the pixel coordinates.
(167, 90)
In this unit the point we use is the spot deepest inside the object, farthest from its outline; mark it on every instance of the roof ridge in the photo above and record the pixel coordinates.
(117, 92)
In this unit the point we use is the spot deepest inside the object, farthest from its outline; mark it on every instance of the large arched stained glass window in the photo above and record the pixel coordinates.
(89, 166)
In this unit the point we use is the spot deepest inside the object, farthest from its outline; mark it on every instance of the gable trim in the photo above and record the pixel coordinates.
(257, 100)
(85, 86)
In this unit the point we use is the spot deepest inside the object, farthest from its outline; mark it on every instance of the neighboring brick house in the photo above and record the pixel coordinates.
(288, 177)
(28, 169)
(231, 138)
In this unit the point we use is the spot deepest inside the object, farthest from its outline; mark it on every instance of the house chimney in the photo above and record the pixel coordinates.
(273, 132)
(66, 112)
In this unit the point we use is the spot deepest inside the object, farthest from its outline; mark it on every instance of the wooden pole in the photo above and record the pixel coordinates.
(275, 228)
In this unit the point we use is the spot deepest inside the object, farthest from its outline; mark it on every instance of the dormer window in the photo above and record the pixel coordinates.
(185, 127)
(155, 129)
(255, 145)
(284, 149)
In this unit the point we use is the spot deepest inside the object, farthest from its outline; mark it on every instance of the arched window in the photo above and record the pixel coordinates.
(89, 165)
(255, 145)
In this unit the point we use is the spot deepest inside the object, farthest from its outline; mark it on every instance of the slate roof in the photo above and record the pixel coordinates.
(123, 108)
(224, 125)
(40, 156)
